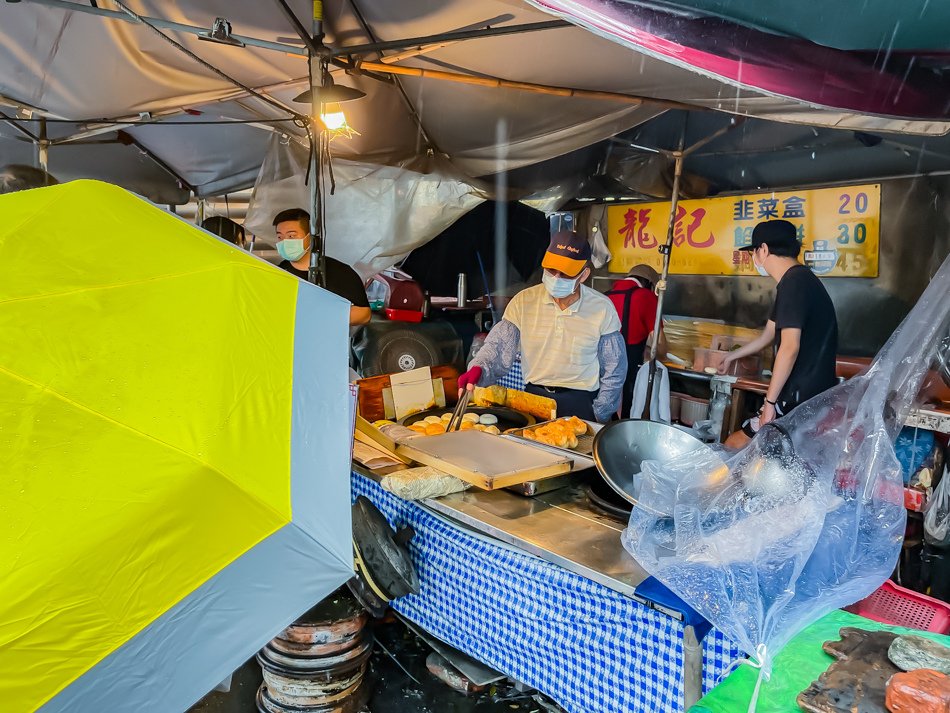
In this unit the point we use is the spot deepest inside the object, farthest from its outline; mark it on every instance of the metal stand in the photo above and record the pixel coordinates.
(667, 248)
(692, 668)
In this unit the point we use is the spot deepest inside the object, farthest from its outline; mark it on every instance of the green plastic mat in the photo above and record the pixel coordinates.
(796, 666)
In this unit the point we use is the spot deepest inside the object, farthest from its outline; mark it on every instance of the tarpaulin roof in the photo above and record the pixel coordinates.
(168, 504)
(752, 156)
(67, 63)
(853, 56)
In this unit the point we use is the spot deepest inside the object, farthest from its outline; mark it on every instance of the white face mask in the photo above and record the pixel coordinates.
(759, 268)
(558, 287)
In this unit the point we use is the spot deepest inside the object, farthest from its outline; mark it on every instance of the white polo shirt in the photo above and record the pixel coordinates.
(559, 347)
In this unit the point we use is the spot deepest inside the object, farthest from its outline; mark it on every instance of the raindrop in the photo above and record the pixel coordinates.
(890, 46)
(812, 155)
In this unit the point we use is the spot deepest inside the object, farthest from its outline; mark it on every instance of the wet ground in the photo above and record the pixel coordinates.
(400, 683)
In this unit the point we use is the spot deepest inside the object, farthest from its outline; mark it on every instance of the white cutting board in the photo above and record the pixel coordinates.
(484, 459)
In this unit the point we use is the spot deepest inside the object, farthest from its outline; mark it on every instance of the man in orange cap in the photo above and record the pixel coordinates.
(568, 335)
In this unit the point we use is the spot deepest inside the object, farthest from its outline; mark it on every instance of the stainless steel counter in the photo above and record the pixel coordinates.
(560, 527)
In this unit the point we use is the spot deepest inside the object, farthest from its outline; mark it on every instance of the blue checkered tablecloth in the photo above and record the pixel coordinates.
(586, 646)
(514, 379)
(719, 655)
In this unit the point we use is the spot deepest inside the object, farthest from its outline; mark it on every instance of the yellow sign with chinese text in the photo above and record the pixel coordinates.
(839, 229)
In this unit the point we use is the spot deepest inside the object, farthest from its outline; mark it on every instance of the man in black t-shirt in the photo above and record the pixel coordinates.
(293, 244)
(802, 326)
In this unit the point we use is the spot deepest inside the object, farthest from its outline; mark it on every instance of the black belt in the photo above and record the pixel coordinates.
(558, 389)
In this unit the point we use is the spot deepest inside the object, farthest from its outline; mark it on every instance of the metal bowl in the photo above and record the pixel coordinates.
(621, 447)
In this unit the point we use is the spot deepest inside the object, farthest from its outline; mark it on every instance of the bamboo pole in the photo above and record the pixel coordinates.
(497, 82)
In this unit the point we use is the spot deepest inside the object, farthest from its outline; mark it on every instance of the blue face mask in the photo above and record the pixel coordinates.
(759, 268)
(558, 287)
(291, 249)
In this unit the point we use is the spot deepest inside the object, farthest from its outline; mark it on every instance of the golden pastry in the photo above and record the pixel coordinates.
(553, 435)
(580, 428)
(469, 418)
(434, 429)
(418, 428)
(467, 426)
(492, 430)
(432, 419)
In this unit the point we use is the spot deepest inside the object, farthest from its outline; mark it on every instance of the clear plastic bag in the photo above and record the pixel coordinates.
(937, 516)
(809, 517)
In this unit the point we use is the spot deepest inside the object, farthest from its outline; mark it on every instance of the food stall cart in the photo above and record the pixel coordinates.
(541, 589)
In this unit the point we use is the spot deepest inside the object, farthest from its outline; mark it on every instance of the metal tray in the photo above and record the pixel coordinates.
(585, 442)
(531, 488)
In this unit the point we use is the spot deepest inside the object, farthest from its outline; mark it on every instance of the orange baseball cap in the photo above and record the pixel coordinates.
(568, 253)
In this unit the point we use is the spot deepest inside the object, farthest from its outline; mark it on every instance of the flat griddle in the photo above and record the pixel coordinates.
(507, 418)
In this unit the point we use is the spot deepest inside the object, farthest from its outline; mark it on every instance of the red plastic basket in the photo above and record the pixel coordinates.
(893, 604)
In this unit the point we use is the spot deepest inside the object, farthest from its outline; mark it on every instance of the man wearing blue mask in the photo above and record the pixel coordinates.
(568, 335)
(802, 326)
(293, 245)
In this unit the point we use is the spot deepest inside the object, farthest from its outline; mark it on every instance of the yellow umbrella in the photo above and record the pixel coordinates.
(174, 478)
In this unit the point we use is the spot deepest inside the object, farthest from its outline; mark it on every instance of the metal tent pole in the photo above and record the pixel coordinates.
(665, 249)
(42, 147)
(317, 54)
(317, 273)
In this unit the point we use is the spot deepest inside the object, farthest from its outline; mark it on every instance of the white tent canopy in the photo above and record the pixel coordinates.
(67, 64)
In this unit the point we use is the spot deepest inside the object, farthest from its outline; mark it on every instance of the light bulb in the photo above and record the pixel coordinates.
(333, 117)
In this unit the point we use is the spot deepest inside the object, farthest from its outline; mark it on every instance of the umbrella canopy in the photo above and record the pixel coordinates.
(168, 505)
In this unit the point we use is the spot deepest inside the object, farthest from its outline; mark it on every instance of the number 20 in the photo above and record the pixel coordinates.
(860, 204)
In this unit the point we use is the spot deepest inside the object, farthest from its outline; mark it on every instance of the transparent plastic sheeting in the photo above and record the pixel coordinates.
(809, 517)
(376, 215)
